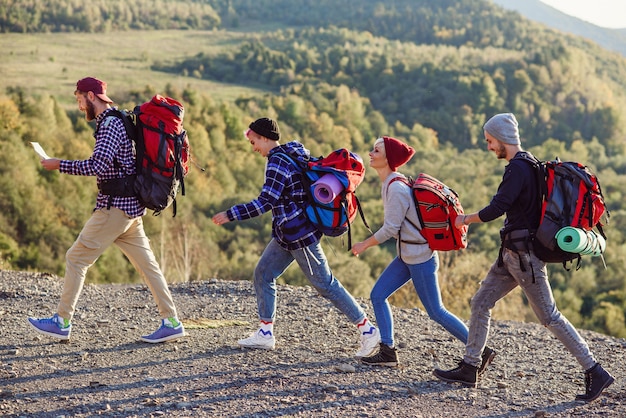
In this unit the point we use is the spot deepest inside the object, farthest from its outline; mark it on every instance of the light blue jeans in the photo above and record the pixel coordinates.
(425, 281)
(312, 261)
(501, 280)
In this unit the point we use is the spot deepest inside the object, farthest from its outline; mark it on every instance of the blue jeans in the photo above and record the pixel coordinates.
(426, 284)
(312, 261)
(501, 280)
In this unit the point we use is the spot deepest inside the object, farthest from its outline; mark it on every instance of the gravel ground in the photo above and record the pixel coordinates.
(105, 369)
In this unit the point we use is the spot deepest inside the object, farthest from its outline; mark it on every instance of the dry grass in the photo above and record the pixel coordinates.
(50, 64)
(205, 323)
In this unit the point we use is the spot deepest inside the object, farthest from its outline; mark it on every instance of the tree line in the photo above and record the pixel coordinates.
(450, 90)
(30, 16)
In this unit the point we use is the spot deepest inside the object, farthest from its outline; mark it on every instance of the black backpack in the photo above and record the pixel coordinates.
(570, 197)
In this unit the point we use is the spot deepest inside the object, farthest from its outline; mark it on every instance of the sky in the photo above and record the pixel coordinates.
(604, 13)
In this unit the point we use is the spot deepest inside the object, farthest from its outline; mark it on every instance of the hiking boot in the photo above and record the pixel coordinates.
(465, 374)
(170, 329)
(55, 326)
(369, 342)
(386, 356)
(487, 358)
(258, 339)
(596, 380)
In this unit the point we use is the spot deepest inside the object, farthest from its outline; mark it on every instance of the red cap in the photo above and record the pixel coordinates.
(97, 87)
(398, 153)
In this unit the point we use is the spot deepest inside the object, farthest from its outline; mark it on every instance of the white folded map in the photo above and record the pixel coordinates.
(42, 154)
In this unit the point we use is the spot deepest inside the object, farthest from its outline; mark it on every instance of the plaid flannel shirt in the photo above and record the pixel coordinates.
(113, 157)
(283, 193)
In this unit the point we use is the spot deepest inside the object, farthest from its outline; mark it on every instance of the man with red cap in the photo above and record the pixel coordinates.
(415, 260)
(115, 220)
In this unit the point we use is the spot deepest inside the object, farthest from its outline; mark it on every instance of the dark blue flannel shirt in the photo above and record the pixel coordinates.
(113, 157)
(283, 193)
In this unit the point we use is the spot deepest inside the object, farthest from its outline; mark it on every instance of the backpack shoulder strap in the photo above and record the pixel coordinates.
(408, 182)
(528, 157)
(126, 119)
(299, 164)
(539, 172)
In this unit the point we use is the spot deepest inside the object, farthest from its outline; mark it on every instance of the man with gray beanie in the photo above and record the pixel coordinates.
(519, 197)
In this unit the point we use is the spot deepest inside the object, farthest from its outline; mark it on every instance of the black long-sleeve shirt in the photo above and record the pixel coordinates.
(518, 196)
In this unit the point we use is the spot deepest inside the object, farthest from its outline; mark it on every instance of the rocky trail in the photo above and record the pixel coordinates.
(105, 370)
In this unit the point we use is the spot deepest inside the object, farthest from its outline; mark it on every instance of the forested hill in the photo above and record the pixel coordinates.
(442, 64)
(335, 74)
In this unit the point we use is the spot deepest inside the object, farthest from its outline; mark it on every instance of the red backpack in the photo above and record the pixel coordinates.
(437, 208)
(162, 150)
(571, 197)
(332, 211)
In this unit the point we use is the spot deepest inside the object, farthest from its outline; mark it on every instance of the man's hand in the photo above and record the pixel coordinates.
(51, 164)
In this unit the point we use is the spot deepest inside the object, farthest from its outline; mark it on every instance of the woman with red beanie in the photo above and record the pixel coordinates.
(415, 260)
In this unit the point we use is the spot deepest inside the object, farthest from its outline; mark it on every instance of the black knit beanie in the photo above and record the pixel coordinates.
(266, 127)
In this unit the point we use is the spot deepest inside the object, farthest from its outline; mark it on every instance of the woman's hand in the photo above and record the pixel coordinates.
(358, 248)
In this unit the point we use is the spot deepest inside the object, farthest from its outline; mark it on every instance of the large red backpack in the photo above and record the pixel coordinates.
(437, 208)
(162, 151)
(570, 197)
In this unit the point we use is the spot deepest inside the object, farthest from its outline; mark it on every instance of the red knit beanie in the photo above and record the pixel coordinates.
(398, 153)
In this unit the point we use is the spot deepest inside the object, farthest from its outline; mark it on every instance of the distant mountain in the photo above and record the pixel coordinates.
(611, 39)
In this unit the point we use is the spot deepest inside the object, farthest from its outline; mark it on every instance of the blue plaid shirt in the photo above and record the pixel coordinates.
(113, 157)
(283, 193)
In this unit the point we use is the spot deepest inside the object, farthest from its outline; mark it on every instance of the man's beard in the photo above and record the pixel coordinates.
(90, 111)
(500, 152)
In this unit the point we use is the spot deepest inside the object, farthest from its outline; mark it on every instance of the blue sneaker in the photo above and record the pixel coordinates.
(170, 329)
(55, 326)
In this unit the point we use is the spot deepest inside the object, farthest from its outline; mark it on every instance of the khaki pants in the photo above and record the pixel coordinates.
(106, 227)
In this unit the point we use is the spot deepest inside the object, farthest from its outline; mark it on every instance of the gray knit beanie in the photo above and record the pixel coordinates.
(503, 127)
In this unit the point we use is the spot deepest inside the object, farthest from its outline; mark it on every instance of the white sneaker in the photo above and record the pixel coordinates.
(258, 340)
(369, 343)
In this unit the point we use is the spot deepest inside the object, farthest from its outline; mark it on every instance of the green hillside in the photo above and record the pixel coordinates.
(334, 75)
